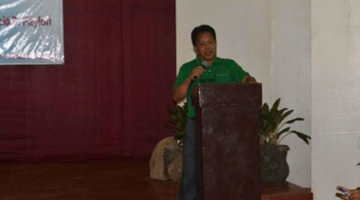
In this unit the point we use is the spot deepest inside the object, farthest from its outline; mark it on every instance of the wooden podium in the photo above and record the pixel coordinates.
(228, 124)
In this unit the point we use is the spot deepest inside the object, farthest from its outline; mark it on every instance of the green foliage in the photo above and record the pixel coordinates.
(177, 122)
(273, 128)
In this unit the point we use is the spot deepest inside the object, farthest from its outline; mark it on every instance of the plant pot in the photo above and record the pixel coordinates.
(274, 167)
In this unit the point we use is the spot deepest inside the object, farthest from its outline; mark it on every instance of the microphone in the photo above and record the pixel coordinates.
(204, 65)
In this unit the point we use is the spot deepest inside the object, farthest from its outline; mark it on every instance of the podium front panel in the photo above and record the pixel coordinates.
(228, 124)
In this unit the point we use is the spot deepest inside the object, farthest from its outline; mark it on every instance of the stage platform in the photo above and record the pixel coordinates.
(124, 179)
(284, 191)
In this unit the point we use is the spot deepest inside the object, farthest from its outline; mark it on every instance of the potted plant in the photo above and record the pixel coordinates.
(177, 122)
(166, 160)
(273, 129)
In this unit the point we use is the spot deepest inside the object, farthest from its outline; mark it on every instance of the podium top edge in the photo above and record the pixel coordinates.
(233, 94)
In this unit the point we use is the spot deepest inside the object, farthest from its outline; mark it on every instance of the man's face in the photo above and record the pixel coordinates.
(205, 47)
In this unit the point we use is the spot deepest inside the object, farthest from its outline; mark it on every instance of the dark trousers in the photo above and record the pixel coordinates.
(190, 181)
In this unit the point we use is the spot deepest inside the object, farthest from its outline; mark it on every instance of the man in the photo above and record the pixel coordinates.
(206, 68)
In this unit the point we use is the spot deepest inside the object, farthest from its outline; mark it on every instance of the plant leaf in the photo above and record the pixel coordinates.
(285, 115)
(275, 105)
(177, 121)
(302, 136)
(265, 108)
(285, 130)
(294, 120)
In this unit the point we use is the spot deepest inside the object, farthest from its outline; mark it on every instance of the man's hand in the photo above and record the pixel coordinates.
(196, 72)
(354, 194)
(248, 79)
(179, 93)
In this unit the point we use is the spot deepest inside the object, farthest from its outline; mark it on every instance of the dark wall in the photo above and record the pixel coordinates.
(109, 99)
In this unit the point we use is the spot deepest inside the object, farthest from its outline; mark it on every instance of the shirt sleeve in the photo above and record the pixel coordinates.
(238, 72)
(184, 73)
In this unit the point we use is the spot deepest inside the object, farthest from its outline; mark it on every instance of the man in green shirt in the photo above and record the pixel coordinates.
(206, 68)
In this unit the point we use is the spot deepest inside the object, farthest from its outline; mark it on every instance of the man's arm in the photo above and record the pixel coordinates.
(179, 93)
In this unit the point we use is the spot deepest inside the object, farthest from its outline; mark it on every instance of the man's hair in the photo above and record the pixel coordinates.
(201, 29)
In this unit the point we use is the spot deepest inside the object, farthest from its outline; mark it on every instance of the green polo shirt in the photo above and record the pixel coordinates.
(221, 71)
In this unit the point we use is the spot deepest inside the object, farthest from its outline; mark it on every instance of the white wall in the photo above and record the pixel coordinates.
(269, 39)
(335, 62)
(290, 77)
